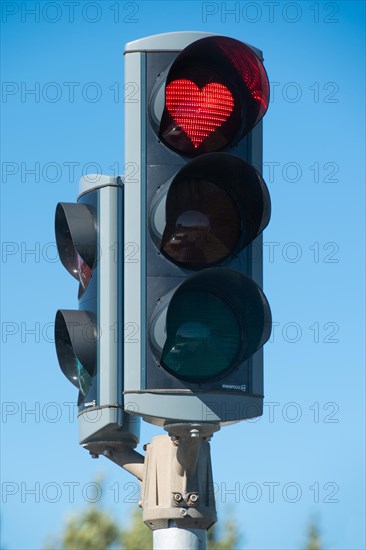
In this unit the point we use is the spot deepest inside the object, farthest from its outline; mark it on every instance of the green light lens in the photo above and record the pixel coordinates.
(84, 378)
(203, 336)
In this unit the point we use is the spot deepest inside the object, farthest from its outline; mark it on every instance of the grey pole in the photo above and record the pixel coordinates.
(179, 539)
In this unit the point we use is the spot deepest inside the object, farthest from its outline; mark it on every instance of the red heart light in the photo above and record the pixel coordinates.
(198, 111)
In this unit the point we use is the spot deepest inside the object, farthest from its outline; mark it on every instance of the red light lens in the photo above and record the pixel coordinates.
(253, 76)
(84, 272)
(216, 91)
(199, 112)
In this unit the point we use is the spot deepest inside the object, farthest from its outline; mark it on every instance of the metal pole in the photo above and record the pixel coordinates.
(179, 539)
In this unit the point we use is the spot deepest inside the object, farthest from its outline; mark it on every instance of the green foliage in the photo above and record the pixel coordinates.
(93, 529)
(137, 536)
(313, 542)
(90, 530)
(229, 540)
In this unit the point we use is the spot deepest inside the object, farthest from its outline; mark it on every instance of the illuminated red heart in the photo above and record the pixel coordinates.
(198, 112)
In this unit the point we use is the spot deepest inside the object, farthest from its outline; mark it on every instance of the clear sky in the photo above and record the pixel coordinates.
(305, 457)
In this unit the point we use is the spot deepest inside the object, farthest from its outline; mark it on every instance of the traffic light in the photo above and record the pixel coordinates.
(195, 208)
(89, 341)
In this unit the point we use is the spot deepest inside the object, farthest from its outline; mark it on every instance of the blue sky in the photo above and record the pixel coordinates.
(305, 457)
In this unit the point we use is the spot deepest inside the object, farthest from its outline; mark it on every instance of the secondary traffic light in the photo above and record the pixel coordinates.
(89, 341)
(195, 207)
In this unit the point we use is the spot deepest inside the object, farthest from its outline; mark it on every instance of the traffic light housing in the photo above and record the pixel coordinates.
(195, 208)
(89, 341)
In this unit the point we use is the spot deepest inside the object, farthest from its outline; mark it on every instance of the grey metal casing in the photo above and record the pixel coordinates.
(153, 164)
(101, 415)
